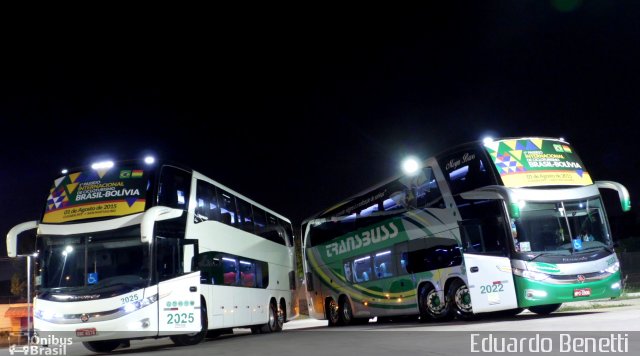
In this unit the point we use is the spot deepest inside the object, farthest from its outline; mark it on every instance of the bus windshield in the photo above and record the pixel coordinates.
(95, 260)
(562, 227)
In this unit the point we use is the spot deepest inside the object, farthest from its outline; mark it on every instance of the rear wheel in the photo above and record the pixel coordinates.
(273, 324)
(460, 298)
(345, 312)
(545, 309)
(333, 316)
(195, 338)
(102, 346)
(431, 306)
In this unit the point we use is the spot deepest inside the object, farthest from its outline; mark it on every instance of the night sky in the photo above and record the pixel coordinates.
(300, 108)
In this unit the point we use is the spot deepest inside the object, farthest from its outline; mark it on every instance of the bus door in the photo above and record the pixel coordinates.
(486, 255)
(178, 286)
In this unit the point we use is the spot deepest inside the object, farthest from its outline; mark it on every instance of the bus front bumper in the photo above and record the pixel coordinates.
(531, 293)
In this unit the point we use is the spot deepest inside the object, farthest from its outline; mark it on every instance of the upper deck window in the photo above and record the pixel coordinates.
(466, 170)
(173, 191)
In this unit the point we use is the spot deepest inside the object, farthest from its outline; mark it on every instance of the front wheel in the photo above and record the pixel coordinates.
(545, 309)
(102, 346)
(431, 306)
(194, 338)
(458, 294)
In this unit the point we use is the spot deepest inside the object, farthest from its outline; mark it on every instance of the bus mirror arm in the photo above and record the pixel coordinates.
(12, 236)
(157, 213)
(623, 193)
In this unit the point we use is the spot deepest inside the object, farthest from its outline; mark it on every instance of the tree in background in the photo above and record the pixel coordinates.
(18, 286)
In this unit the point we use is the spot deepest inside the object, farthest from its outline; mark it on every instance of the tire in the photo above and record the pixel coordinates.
(283, 311)
(195, 338)
(102, 346)
(272, 325)
(545, 309)
(460, 298)
(332, 313)
(430, 305)
(345, 312)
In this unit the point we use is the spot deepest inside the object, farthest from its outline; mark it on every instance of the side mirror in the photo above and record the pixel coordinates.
(157, 213)
(623, 193)
(12, 236)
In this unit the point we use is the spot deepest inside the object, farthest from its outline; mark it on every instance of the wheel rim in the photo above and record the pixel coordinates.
(463, 299)
(272, 317)
(333, 311)
(280, 317)
(346, 311)
(434, 303)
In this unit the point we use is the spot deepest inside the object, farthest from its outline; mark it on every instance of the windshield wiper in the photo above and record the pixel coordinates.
(540, 254)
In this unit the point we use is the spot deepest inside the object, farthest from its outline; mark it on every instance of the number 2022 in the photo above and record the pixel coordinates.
(491, 288)
(180, 318)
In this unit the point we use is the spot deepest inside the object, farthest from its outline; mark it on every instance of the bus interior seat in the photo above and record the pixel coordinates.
(365, 276)
(230, 278)
(382, 270)
(248, 279)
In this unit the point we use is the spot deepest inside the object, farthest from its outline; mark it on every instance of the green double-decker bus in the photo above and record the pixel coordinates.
(496, 225)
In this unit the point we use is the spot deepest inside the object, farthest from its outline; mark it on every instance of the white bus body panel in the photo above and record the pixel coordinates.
(491, 286)
(179, 305)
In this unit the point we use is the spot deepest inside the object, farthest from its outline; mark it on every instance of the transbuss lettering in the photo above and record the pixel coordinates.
(364, 239)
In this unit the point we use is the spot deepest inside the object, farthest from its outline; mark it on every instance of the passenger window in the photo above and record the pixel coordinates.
(403, 262)
(466, 170)
(206, 203)
(347, 271)
(230, 271)
(173, 189)
(259, 220)
(247, 274)
(245, 215)
(227, 208)
(362, 269)
(383, 264)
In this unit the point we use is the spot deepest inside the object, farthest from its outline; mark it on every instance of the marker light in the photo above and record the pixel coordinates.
(562, 139)
(102, 165)
(487, 140)
(410, 166)
(534, 293)
(149, 160)
(64, 171)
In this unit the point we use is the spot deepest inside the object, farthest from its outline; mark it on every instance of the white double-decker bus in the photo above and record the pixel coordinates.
(138, 249)
(500, 225)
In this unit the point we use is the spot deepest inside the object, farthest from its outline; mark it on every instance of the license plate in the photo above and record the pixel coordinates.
(86, 332)
(581, 292)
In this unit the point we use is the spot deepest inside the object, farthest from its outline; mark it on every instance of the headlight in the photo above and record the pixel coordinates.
(131, 307)
(536, 276)
(613, 268)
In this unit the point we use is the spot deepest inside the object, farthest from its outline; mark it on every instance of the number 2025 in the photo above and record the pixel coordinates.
(491, 288)
(180, 318)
